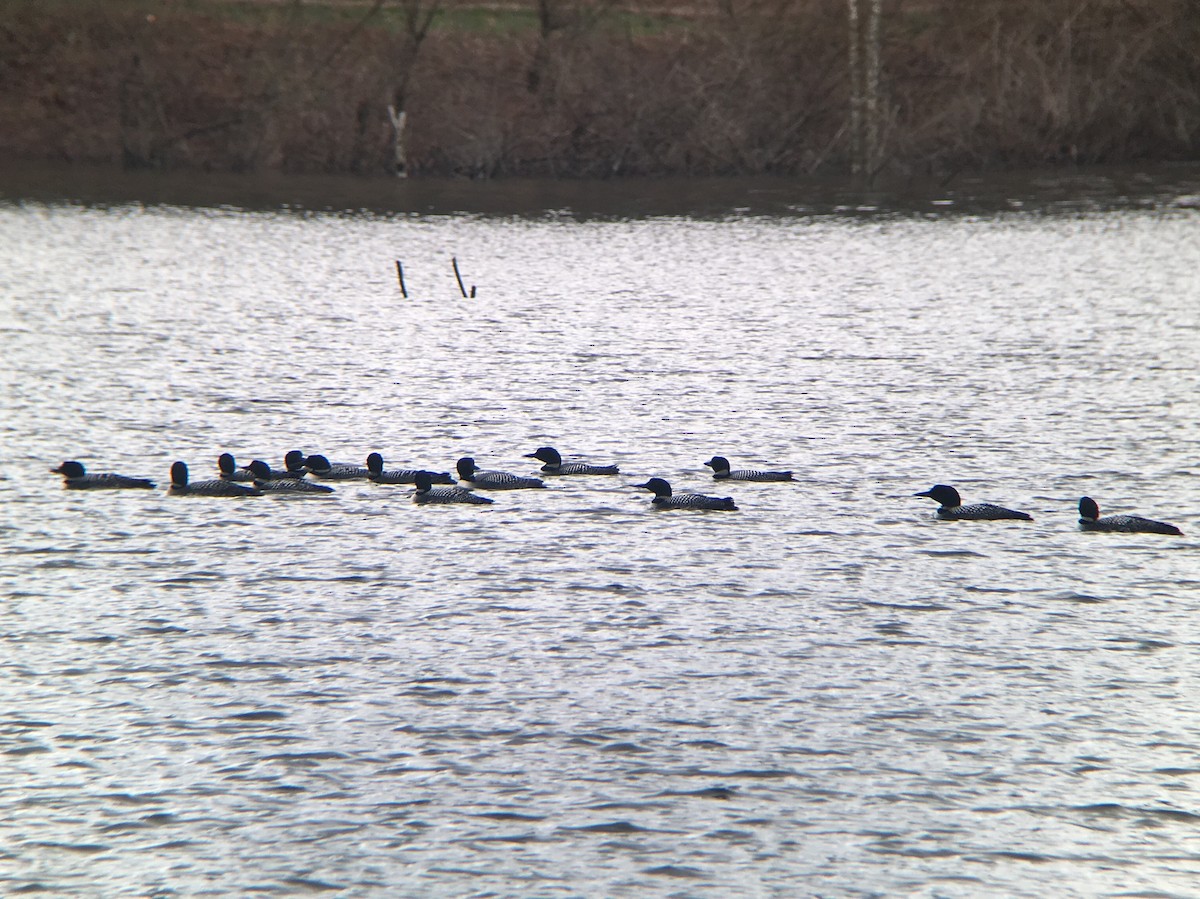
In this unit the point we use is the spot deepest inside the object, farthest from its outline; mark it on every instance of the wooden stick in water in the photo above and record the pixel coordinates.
(400, 276)
(461, 289)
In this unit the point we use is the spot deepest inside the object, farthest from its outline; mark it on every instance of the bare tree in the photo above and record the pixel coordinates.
(864, 65)
(418, 17)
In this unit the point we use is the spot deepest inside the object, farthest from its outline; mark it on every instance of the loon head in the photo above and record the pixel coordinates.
(70, 470)
(547, 454)
(294, 460)
(943, 494)
(718, 464)
(466, 468)
(260, 469)
(423, 481)
(375, 463)
(316, 463)
(657, 486)
(179, 474)
(1088, 509)
(227, 463)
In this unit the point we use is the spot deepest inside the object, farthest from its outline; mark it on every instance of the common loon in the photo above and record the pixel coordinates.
(75, 477)
(1090, 520)
(427, 493)
(401, 475)
(663, 498)
(342, 471)
(229, 471)
(555, 465)
(215, 487)
(952, 509)
(293, 464)
(493, 480)
(270, 482)
(721, 472)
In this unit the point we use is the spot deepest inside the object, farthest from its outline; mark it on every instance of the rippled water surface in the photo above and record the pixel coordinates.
(568, 694)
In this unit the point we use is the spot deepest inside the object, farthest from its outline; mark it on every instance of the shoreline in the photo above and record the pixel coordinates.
(1159, 185)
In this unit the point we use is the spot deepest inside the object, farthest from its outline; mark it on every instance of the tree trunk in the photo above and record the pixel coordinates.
(399, 147)
(871, 152)
(856, 91)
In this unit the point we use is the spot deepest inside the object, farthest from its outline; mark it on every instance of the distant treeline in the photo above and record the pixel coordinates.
(594, 88)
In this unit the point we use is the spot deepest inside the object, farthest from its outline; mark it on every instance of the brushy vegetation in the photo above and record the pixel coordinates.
(593, 88)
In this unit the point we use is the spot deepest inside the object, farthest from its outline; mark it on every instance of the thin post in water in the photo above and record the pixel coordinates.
(461, 289)
(400, 277)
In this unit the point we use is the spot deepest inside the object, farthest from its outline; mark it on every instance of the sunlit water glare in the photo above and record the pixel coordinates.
(827, 692)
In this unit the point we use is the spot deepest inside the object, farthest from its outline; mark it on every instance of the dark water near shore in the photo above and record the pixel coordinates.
(1155, 185)
(567, 694)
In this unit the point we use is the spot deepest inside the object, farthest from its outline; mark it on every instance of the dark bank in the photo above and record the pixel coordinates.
(574, 89)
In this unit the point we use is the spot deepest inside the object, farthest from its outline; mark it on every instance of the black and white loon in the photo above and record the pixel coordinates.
(229, 471)
(427, 493)
(555, 465)
(215, 487)
(721, 472)
(341, 471)
(952, 509)
(493, 480)
(75, 477)
(1090, 520)
(664, 499)
(401, 475)
(293, 465)
(271, 482)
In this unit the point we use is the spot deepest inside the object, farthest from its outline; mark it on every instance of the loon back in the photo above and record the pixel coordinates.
(981, 512)
(722, 472)
(1090, 520)
(694, 501)
(581, 468)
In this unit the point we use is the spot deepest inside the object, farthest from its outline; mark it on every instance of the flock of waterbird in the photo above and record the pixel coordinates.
(302, 475)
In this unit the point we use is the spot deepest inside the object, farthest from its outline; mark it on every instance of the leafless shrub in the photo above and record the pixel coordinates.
(594, 89)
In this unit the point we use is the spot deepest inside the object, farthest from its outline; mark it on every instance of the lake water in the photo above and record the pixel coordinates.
(826, 693)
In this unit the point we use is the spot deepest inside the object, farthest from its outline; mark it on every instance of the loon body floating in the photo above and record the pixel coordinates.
(952, 509)
(227, 466)
(75, 477)
(555, 465)
(401, 475)
(427, 493)
(1090, 520)
(271, 482)
(721, 472)
(215, 487)
(341, 471)
(664, 499)
(494, 480)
